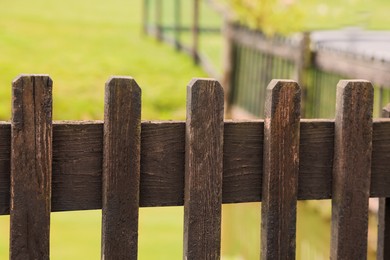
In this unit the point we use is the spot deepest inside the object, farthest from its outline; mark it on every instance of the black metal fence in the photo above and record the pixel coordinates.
(190, 26)
(317, 61)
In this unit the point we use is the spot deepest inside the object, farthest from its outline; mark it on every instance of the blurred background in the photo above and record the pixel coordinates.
(165, 43)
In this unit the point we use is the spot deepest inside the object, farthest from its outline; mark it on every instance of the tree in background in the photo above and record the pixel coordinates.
(271, 16)
(288, 16)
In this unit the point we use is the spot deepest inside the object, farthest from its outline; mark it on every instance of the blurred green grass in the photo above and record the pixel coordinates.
(80, 44)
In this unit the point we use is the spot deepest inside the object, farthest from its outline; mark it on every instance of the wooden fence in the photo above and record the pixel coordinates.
(122, 164)
(173, 20)
(254, 59)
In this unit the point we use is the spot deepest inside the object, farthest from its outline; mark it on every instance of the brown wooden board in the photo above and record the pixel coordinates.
(31, 167)
(162, 164)
(351, 170)
(77, 165)
(203, 170)
(280, 175)
(5, 150)
(121, 169)
(78, 155)
(383, 245)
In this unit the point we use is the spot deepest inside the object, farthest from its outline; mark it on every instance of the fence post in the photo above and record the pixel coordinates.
(203, 170)
(121, 169)
(228, 63)
(195, 32)
(31, 167)
(146, 16)
(281, 166)
(383, 248)
(302, 68)
(351, 169)
(159, 11)
(177, 26)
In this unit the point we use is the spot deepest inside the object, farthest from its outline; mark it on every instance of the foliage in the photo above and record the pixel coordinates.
(287, 16)
(269, 15)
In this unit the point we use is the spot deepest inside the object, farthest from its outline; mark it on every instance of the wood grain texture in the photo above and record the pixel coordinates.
(31, 167)
(162, 164)
(121, 169)
(5, 167)
(78, 155)
(383, 243)
(281, 168)
(242, 161)
(203, 170)
(77, 165)
(351, 170)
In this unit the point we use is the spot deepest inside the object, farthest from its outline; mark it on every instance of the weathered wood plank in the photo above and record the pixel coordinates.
(383, 245)
(242, 161)
(281, 168)
(380, 177)
(31, 167)
(203, 170)
(77, 165)
(121, 169)
(162, 164)
(5, 155)
(351, 169)
(78, 155)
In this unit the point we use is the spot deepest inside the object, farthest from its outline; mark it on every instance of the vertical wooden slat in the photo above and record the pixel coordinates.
(263, 83)
(229, 67)
(203, 170)
(242, 70)
(302, 66)
(380, 97)
(281, 165)
(351, 169)
(177, 21)
(258, 85)
(31, 162)
(158, 14)
(383, 246)
(121, 168)
(195, 31)
(145, 16)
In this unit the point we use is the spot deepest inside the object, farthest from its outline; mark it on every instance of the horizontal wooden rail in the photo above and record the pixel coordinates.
(254, 40)
(338, 62)
(188, 29)
(78, 153)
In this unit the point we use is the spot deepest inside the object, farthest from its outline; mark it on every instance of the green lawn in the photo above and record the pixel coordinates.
(80, 44)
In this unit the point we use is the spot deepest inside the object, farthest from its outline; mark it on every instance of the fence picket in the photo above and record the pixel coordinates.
(383, 245)
(31, 167)
(281, 166)
(351, 169)
(121, 169)
(203, 170)
(250, 164)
